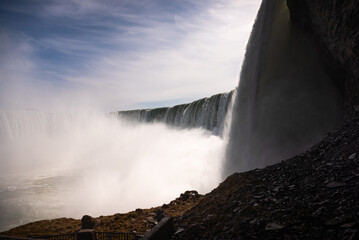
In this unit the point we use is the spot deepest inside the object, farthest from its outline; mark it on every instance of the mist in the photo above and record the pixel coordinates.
(67, 164)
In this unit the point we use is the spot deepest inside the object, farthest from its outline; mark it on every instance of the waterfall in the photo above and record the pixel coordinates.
(17, 123)
(286, 99)
(207, 113)
(67, 164)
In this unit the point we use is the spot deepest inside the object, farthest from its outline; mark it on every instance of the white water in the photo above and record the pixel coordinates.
(208, 113)
(71, 164)
(286, 99)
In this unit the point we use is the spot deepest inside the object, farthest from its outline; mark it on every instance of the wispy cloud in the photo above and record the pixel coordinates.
(126, 54)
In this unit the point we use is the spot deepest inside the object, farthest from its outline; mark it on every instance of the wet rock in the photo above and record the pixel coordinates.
(335, 184)
(236, 209)
(179, 231)
(351, 234)
(352, 156)
(348, 225)
(334, 221)
(273, 226)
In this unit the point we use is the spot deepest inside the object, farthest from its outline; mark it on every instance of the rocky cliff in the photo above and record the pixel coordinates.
(335, 26)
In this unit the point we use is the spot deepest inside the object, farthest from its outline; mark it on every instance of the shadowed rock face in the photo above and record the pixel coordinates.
(289, 95)
(334, 25)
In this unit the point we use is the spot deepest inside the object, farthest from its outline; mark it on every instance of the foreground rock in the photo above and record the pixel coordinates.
(140, 220)
(311, 196)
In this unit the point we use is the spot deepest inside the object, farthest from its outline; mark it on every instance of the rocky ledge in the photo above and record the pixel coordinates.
(311, 196)
(140, 220)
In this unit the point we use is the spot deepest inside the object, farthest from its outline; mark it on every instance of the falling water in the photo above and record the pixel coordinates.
(286, 100)
(207, 113)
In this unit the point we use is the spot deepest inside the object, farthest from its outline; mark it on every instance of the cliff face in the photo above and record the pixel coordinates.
(290, 93)
(335, 26)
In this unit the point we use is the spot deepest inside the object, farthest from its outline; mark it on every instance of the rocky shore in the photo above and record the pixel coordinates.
(138, 221)
(311, 196)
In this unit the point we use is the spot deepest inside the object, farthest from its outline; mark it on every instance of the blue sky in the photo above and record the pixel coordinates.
(118, 55)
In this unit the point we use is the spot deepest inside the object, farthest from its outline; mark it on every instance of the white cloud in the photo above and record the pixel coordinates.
(159, 57)
(203, 61)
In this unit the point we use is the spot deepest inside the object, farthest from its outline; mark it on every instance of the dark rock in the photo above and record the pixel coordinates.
(348, 225)
(88, 222)
(352, 156)
(160, 213)
(86, 234)
(335, 184)
(351, 234)
(273, 226)
(188, 194)
(334, 221)
(163, 230)
(151, 220)
(179, 231)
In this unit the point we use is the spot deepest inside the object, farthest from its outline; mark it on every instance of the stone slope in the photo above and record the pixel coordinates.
(140, 220)
(311, 196)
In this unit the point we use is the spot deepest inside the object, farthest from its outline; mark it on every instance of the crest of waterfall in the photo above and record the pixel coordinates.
(286, 99)
(207, 113)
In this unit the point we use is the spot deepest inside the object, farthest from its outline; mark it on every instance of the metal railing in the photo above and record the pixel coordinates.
(116, 236)
(98, 235)
(69, 236)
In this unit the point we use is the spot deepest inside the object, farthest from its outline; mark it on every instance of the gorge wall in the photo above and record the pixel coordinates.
(207, 113)
(291, 91)
(334, 25)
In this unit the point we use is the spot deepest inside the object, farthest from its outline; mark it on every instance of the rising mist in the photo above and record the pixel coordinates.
(67, 164)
